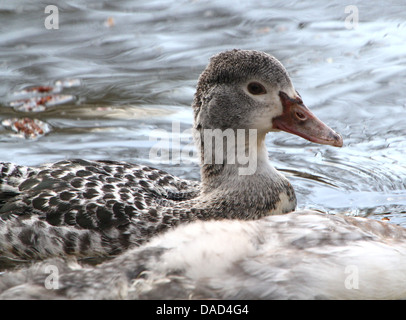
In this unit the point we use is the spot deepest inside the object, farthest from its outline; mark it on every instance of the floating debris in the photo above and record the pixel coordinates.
(38, 89)
(38, 104)
(39, 98)
(109, 22)
(26, 127)
(58, 86)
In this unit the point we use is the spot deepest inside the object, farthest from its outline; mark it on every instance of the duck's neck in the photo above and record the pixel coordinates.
(242, 183)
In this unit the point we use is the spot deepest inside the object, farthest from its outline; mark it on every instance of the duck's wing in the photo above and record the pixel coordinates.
(60, 192)
(99, 206)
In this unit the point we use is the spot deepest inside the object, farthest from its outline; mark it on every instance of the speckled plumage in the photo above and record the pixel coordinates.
(87, 208)
(301, 255)
(100, 208)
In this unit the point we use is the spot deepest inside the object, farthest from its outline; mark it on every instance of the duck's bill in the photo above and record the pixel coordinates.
(299, 120)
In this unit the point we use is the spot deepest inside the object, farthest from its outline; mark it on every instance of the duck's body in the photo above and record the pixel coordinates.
(96, 209)
(100, 208)
(301, 255)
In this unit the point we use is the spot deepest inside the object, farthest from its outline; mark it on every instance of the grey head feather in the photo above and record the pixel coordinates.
(237, 65)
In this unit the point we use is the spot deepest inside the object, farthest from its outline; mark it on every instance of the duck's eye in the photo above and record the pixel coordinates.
(256, 88)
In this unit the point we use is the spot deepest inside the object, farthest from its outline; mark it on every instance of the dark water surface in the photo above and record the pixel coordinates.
(126, 72)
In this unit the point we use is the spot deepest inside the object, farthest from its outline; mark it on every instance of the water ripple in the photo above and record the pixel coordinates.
(132, 57)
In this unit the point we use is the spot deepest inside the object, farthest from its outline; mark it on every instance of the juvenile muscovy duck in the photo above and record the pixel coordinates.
(100, 208)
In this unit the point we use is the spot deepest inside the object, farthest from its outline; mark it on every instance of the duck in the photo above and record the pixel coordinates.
(99, 209)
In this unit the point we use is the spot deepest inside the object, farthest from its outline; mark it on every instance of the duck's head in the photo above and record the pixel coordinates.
(246, 89)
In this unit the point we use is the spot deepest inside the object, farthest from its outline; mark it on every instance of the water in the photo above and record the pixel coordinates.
(131, 68)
